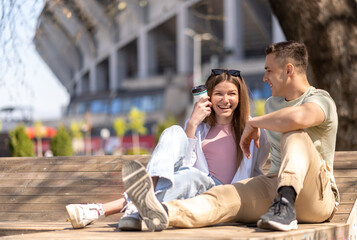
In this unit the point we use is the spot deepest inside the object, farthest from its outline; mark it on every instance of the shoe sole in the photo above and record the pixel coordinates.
(271, 225)
(129, 224)
(73, 214)
(139, 187)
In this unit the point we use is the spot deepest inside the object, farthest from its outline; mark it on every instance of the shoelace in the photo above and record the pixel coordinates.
(129, 209)
(91, 212)
(278, 204)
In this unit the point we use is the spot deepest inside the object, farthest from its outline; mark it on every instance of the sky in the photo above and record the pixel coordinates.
(25, 79)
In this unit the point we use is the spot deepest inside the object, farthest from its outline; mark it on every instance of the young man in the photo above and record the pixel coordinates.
(301, 123)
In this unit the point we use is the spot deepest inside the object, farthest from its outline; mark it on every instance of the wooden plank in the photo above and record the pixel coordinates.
(74, 175)
(43, 216)
(348, 197)
(345, 164)
(88, 189)
(59, 182)
(344, 208)
(340, 218)
(347, 187)
(70, 160)
(346, 173)
(31, 207)
(105, 231)
(25, 168)
(65, 199)
(342, 179)
(345, 155)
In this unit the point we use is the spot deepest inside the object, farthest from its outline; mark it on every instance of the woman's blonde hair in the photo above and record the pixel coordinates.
(240, 114)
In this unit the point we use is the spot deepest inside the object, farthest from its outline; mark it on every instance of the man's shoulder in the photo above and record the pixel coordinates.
(318, 92)
(324, 100)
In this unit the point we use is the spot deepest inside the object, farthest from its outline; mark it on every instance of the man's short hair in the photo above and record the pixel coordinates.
(290, 50)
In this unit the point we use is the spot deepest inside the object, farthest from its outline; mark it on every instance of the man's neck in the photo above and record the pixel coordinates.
(298, 88)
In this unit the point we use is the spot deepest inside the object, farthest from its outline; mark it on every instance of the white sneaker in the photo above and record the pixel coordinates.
(82, 215)
(131, 220)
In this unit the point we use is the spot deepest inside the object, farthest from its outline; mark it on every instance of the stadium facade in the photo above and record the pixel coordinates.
(113, 55)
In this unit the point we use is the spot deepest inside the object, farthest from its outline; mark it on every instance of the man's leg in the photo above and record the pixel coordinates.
(244, 201)
(302, 169)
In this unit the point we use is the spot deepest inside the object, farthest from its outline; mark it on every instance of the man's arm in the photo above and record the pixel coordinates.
(284, 120)
(290, 118)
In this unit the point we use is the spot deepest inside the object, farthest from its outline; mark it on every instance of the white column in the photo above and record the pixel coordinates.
(78, 80)
(278, 34)
(113, 70)
(233, 29)
(152, 53)
(197, 69)
(121, 67)
(184, 49)
(93, 78)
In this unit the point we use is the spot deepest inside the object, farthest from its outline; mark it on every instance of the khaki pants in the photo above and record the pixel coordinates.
(245, 201)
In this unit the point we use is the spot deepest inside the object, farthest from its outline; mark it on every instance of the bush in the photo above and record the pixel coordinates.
(61, 144)
(20, 144)
(142, 151)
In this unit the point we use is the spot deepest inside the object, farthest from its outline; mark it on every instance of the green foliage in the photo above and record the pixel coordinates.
(259, 107)
(161, 126)
(39, 130)
(61, 144)
(137, 121)
(132, 151)
(120, 127)
(20, 144)
(76, 129)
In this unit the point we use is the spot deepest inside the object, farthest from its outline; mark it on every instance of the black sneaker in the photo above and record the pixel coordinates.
(139, 187)
(281, 216)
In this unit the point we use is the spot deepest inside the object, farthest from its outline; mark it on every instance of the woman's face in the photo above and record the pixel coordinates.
(225, 99)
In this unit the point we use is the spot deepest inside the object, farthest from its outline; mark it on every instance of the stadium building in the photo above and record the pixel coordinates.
(113, 55)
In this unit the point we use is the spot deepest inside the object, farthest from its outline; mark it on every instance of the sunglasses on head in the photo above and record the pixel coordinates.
(232, 72)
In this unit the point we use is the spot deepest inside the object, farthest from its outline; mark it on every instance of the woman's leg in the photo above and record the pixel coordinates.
(114, 207)
(189, 182)
(167, 157)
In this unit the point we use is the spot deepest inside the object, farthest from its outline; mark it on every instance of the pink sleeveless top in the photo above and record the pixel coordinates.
(220, 151)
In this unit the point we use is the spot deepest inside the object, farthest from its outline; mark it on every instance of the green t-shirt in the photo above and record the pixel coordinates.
(323, 136)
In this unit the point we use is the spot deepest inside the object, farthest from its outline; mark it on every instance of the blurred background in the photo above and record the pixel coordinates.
(114, 73)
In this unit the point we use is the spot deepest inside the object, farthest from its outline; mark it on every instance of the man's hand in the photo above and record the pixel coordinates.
(248, 134)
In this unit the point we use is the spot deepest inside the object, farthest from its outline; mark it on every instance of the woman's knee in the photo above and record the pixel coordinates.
(173, 131)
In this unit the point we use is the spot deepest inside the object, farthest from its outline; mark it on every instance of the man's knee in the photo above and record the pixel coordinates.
(294, 137)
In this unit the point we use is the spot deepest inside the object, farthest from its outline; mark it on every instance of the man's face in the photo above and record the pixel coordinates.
(274, 75)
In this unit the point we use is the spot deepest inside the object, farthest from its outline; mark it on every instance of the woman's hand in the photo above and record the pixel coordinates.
(201, 110)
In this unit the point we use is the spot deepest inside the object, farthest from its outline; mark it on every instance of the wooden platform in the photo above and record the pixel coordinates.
(34, 192)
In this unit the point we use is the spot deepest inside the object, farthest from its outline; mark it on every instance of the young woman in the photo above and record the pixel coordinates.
(187, 162)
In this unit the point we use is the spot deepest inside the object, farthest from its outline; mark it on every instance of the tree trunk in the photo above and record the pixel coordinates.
(329, 30)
